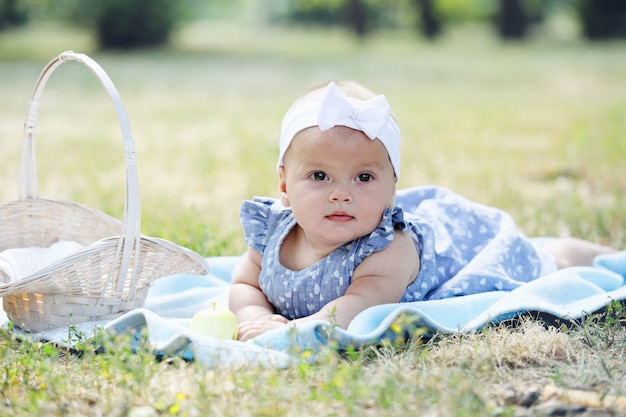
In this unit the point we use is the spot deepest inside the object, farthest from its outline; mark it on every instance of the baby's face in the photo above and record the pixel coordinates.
(338, 183)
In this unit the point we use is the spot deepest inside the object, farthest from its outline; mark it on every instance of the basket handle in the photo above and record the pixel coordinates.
(130, 236)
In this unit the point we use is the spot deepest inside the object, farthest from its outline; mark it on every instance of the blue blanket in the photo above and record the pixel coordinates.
(566, 295)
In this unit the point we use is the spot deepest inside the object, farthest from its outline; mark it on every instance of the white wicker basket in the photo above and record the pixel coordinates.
(111, 274)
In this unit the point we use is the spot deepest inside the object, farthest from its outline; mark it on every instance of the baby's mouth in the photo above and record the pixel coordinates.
(340, 217)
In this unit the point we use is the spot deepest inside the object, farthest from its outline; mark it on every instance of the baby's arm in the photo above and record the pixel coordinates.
(245, 298)
(380, 279)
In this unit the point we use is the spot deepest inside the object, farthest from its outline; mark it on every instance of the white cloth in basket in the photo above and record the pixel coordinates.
(18, 263)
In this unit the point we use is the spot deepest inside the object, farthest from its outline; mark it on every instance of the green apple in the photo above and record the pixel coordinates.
(215, 322)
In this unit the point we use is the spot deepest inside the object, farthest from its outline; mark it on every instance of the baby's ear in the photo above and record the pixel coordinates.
(282, 186)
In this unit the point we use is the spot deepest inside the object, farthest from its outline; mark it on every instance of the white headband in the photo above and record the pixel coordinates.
(333, 108)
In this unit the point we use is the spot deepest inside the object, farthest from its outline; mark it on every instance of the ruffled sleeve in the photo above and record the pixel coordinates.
(256, 219)
(382, 236)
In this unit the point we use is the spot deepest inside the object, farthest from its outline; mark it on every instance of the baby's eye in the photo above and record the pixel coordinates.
(318, 176)
(364, 177)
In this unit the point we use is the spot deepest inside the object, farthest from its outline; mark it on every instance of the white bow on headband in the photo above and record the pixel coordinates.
(336, 109)
(333, 107)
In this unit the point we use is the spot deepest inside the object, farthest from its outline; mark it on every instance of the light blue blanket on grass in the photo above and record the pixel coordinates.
(566, 295)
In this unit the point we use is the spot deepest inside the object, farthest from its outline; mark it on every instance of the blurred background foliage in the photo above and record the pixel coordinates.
(123, 24)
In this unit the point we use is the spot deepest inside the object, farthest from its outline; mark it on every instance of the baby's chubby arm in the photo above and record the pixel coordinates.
(254, 312)
(245, 298)
(381, 278)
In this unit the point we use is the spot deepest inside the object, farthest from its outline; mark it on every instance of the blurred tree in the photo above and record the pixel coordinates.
(602, 19)
(123, 24)
(515, 17)
(127, 24)
(12, 13)
(358, 17)
(430, 21)
(512, 20)
(325, 12)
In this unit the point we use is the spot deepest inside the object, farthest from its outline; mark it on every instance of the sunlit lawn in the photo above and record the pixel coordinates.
(534, 128)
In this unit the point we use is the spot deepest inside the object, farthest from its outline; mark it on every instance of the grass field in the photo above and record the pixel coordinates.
(534, 128)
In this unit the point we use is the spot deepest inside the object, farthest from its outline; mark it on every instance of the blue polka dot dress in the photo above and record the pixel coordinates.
(464, 248)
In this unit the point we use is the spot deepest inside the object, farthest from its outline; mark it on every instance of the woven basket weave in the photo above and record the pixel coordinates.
(112, 272)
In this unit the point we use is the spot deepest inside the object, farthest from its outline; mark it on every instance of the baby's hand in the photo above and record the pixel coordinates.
(250, 329)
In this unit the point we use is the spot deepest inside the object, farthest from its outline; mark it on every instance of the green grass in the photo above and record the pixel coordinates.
(536, 129)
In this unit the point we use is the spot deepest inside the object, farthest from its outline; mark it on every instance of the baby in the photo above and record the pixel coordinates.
(341, 238)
